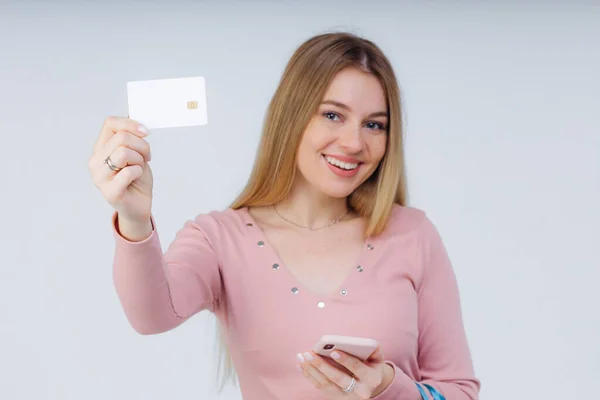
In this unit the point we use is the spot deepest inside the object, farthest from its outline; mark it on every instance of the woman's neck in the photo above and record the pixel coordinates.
(311, 210)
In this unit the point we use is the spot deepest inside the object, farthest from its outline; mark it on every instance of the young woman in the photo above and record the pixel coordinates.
(320, 241)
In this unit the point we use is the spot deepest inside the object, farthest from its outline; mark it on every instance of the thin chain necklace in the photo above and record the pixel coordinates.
(335, 221)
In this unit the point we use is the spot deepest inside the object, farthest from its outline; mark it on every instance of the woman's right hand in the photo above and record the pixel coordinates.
(128, 190)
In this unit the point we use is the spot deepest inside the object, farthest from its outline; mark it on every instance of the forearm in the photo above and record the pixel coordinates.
(159, 291)
(140, 278)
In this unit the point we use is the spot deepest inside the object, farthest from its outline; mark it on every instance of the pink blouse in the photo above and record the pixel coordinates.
(403, 292)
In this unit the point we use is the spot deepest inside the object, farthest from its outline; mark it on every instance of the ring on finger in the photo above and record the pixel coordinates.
(110, 164)
(351, 386)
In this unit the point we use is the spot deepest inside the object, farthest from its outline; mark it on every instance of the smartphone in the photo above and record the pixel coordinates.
(359, 347)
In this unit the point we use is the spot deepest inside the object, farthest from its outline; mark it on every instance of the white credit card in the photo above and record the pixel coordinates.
(167, 103)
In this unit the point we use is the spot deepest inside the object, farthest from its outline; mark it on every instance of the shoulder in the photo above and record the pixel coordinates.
(218, 222)
(223, 230)
(405, 220)
(411, 230)
(412, 224)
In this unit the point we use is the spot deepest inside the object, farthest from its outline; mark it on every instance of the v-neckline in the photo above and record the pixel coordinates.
(341, 291)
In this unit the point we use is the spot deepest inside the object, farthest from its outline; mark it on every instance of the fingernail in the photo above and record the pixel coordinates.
(335, 355)
(299, 368)
(143, 130)
(300, 358)
(308, 356)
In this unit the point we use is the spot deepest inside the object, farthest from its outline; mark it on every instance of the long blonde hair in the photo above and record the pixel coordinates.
(296, 100)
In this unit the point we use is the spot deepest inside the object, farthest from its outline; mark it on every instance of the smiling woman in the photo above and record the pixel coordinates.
(319, 242)
(348, 135)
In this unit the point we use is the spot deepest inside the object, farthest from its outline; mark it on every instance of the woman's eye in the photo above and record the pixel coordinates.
(375, 125)
(330, 115)
(370, 125)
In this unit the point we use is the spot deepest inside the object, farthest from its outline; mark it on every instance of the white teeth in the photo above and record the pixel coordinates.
(341, 164)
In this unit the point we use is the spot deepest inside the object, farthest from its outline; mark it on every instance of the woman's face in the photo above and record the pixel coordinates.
(345, 141)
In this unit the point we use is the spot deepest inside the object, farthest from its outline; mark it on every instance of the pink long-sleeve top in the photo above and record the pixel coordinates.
(403, 292)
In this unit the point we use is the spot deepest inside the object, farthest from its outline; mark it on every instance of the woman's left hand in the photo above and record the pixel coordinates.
(371, 377)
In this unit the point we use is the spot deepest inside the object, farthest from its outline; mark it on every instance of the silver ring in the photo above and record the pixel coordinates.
(351, 386)
(111, 165)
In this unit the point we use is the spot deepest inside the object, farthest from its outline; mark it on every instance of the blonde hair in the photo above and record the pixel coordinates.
(299, 93)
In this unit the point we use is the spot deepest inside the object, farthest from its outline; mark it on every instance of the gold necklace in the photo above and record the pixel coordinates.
(335, 221)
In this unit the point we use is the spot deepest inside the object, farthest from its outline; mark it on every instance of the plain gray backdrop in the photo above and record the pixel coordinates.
(503, 153)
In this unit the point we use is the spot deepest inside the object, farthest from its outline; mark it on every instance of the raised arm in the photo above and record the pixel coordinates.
(160, 291)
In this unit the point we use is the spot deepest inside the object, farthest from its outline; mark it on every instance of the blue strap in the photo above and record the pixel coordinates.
(434, 393)
(423, 394)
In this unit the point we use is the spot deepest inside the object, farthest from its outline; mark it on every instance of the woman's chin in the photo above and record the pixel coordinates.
(338, 192)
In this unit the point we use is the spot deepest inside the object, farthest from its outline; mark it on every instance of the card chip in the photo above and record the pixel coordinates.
(192, 105)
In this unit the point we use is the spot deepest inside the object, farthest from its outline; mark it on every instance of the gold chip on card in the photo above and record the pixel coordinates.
(192, 105)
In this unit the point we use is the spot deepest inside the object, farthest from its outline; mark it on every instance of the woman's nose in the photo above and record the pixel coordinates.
(351, 139)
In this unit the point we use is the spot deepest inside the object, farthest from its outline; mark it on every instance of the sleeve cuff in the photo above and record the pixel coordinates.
(401, 388)
(127, 246)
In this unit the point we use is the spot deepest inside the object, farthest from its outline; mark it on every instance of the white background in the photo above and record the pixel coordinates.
(503, 150)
